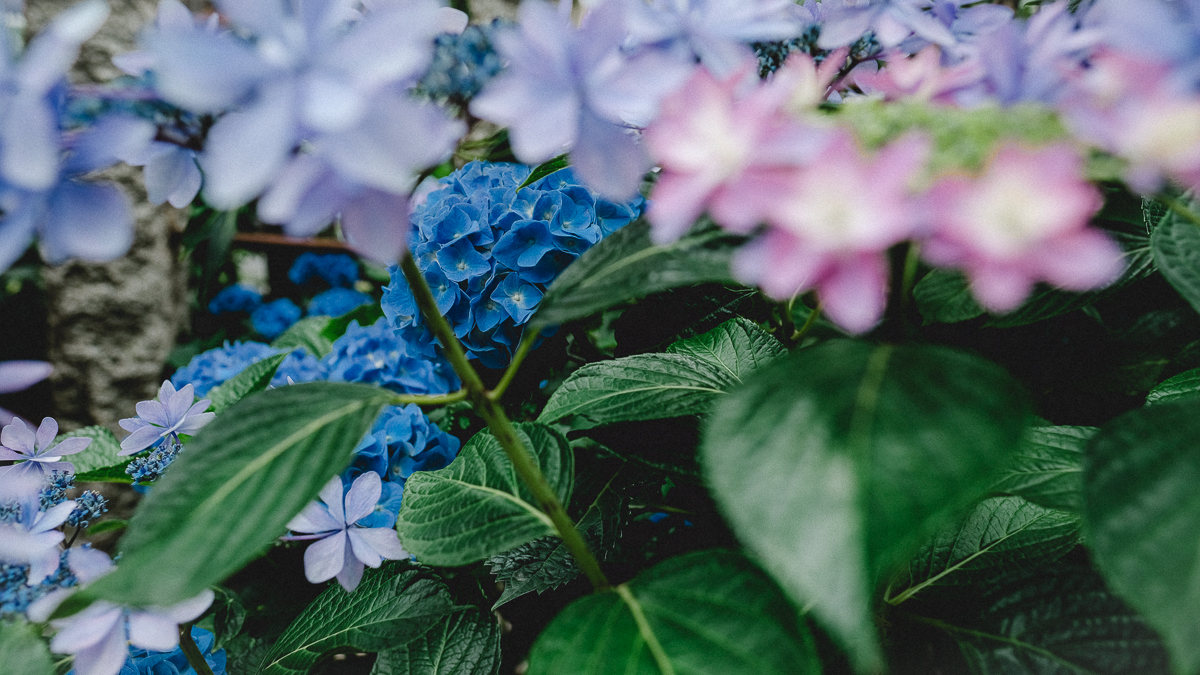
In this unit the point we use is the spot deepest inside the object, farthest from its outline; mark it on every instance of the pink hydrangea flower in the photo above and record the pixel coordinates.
(920, 77)
(725, 146)
(343, 547)
(1129, 106)
(831, 226)
(1023, 221)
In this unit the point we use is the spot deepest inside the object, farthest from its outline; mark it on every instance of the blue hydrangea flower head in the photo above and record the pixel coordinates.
(462, 64)
(235, 298)
(88, 507)
(337, 269)
(150, 467)
(213, 367)
(378, 355)
(15, 592)
(276, 316)
(337, 301)
(490, 250)
(145, 662)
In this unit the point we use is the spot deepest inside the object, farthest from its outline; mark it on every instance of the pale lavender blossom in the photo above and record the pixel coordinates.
(1153, 29)
(343, 547)
(37, 453)
(20, 375)
(98, 636)
(717, 32)
(33, 540)
(967, 24)
(579, 91)
(892, 21)
(310, 73)
(173, 413)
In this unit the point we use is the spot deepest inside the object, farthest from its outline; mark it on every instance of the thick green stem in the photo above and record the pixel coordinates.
(430, 399)
(522, 351)
(808, 324)
(489, 409)
(190, 651)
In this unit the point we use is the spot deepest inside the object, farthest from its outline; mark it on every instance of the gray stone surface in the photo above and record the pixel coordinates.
(112, 325)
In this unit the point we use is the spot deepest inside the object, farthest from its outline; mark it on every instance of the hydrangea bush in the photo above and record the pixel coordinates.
(866, 342)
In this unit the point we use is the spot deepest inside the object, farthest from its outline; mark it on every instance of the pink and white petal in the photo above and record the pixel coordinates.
(153, 412)
(325, 558)
(362, 549)
(1082, 261)
(333, 496)
(140, 440)
(314, 518)
(999, 289)
(153, 631)
(88, 628)
(70, 446)
(854, 294)
(351, 574)
(676, 201)
(362, 497)
(382, 539)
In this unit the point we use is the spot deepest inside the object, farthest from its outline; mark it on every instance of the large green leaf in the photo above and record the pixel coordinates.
(392, 604)
(478, 506)
(1142, 518)
(466, 642)
(545, 563)
(22, 650)
(232, 492)
(1060, 621)
(642, 387)
(739, 346)
(709, 612)
(253, 379)
(1184, 384)
(625, 266)
(1176, 245)
(837, 461)
(1000, 535)
(308, 333)
(1048, 469)
(100, 461)
(944, 296)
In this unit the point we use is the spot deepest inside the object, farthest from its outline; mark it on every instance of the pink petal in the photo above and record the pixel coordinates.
(854, 294)
(999, 289)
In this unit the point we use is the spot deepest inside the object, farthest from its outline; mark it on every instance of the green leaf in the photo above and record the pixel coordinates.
(253, 379)
(394, 603)
(1048, 468)
(544, 169)
(99, 461)
(944, 296)
(1182, 385)
(462, 643)
(477, 506)
(22, 650)
(1061, 621)
(545, 563)
(999, 536)
(709, 612)
(1176, 245)
(625, 266)
(739, 346)
(232, 492)
(365, 315)
(111, 525)
(307, 333)
(836, 462)
(1142, 517)
(228, 617)
(642, 387)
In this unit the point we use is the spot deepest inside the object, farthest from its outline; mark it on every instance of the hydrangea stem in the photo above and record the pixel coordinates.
(492, 413)
(522, 351)
(194, 658)
(430, 399)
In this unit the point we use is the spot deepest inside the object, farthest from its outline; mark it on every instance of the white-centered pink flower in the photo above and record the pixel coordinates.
(1023, 221)
(343, 547)
(723, 145)
(831, 226)
(37, 452)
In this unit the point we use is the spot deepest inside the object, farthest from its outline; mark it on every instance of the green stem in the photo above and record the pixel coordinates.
(522, 352)
(912, 260)
(808, 324)
(194, 658)
(431, 399)
(489, 409)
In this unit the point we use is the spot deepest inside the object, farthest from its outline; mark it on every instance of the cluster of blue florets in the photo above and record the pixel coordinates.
(145, 662)
(402, 441)
(271, 319)
(54, 491)
(15, 592)
(89, 506)
(490, 250)
(149, 467)
(213, 367)
(375, 354)
(462, 63)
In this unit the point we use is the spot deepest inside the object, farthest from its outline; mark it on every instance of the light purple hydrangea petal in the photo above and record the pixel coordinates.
(382, 541)
(88, 221)
(325, 558)
(30, 137)
(376, 225)
(332, 496)
(89, 628)
(246, 148)
(351, 573)
(46, 433)
(362, 496)
(313, 519)
(17, 227)
(89, 564)
(52, 52)
(153, 631)
(172, 176)
(140, 440)
(70, 446)
(152, 412)
(184, 73)
(20, 375)
(187, 610)
(608, 158)
(17, 436)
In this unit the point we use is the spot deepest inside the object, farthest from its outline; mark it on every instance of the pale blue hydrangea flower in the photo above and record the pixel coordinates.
(172, 413)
